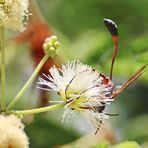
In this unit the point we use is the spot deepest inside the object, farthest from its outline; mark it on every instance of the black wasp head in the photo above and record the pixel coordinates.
(112, 27)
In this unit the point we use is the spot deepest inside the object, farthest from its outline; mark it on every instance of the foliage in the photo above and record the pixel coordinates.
(44, 132)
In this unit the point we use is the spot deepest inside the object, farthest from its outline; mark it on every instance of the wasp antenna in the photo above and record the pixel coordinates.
(129, 82)
(113, 29)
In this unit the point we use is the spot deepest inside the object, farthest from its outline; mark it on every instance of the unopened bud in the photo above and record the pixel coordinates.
(57, 44)
(45, 46)
(50, 46)
(54, 38)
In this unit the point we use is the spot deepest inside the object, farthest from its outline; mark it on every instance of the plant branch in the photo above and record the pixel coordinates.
(28, 83)
(2, 43)
(39, 110)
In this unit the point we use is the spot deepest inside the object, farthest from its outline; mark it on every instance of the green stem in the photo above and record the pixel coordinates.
(38, 110)
(28, 83)
(2, 42)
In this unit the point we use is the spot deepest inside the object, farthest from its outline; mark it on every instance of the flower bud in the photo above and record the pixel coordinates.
(57, 44)
(50, 46)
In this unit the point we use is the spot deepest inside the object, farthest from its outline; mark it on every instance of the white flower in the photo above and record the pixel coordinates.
(81, 88)
(13, 13)
(11, 133)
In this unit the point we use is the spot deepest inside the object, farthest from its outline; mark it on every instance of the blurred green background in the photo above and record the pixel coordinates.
(83, 36)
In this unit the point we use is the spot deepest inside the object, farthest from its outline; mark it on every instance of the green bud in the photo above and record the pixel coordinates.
(57, 44)
(54, 38)
(47, 39)
(52, 49)
(50, 46)
(45, 46)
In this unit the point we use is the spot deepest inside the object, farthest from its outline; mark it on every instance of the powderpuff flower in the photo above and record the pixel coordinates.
(13, 14)
(81, 88)
(11, 133)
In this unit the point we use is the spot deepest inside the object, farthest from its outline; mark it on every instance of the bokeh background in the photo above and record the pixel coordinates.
(83, 36)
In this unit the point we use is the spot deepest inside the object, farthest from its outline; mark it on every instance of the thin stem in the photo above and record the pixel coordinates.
(2, 42)
(28, 83)
(39, 110)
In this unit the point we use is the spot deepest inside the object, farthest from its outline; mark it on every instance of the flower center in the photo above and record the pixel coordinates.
(75, 99)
